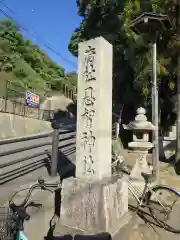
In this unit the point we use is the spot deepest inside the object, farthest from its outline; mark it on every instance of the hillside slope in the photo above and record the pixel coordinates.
(23, 65)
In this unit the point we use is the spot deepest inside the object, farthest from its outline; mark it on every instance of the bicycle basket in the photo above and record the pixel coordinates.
(5, 223)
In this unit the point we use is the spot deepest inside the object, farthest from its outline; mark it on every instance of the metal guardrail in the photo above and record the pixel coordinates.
(26, 138)
(48, 156)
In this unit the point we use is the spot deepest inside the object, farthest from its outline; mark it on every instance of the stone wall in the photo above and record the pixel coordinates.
(15, 126)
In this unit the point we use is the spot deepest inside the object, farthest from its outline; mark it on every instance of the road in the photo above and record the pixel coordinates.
(24, 172)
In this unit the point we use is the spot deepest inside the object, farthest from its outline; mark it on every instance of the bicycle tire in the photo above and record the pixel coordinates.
(168, 226)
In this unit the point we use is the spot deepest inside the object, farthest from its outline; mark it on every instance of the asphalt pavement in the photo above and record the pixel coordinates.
(14, 176)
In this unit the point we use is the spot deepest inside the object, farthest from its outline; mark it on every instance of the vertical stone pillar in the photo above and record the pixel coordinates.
(94, 201)
(94, 111)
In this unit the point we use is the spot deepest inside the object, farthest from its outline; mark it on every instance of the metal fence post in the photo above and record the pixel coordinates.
(55, 143)
(6, 96)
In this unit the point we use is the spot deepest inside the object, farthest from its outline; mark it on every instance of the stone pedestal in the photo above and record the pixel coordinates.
(95, 206)
(140, 166)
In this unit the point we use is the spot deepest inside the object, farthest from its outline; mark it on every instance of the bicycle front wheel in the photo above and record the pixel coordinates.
(164, 205)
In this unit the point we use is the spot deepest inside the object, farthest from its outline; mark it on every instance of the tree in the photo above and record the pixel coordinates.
(132, 56)
(27, 64)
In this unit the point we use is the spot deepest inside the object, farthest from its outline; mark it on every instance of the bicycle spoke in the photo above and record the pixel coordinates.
(164, 206)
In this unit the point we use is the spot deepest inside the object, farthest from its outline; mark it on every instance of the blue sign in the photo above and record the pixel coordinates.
(32, 100)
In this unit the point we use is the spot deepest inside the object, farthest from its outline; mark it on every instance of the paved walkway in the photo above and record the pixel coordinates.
(138, 228)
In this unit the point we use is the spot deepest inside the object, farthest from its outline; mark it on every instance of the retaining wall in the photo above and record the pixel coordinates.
(15, 126)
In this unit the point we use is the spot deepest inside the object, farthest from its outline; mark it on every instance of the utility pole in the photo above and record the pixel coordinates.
(155, 115)
(178, 115)
(151, 25)
(178, 89)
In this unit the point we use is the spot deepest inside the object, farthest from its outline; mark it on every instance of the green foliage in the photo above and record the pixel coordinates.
(29, 66)
(132, 53)
(20, 73)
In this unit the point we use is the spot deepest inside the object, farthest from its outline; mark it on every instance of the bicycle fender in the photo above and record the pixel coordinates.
(21, 236)
(166, 187)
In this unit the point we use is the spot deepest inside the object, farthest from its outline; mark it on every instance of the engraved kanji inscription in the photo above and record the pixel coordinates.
(88, 141)
(88, 165)
(89, 69)
(89, 98)
(88, 117)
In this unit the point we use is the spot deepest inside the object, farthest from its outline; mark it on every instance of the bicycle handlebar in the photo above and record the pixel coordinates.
(41, 184)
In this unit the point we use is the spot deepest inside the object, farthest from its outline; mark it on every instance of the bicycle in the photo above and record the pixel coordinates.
(155, 199)
(19, 213)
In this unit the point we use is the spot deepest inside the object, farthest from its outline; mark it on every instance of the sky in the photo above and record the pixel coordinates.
(46, 22)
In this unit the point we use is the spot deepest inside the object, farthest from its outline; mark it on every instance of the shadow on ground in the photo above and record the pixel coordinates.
(65, 168)
(150, 220)
(56, 216)
(144, 215)
(23, 170)
(172, 162)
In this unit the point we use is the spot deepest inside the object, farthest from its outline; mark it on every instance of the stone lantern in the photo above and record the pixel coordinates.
(151, 24)
(140, 128)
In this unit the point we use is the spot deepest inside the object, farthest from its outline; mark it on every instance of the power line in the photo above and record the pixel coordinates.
(2, 2)
(47, 45)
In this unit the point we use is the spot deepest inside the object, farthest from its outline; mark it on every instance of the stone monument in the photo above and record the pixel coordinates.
(94, 110)
(94, 201)
(140, 144)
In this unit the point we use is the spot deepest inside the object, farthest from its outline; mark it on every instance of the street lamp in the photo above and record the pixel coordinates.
(151, 25)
